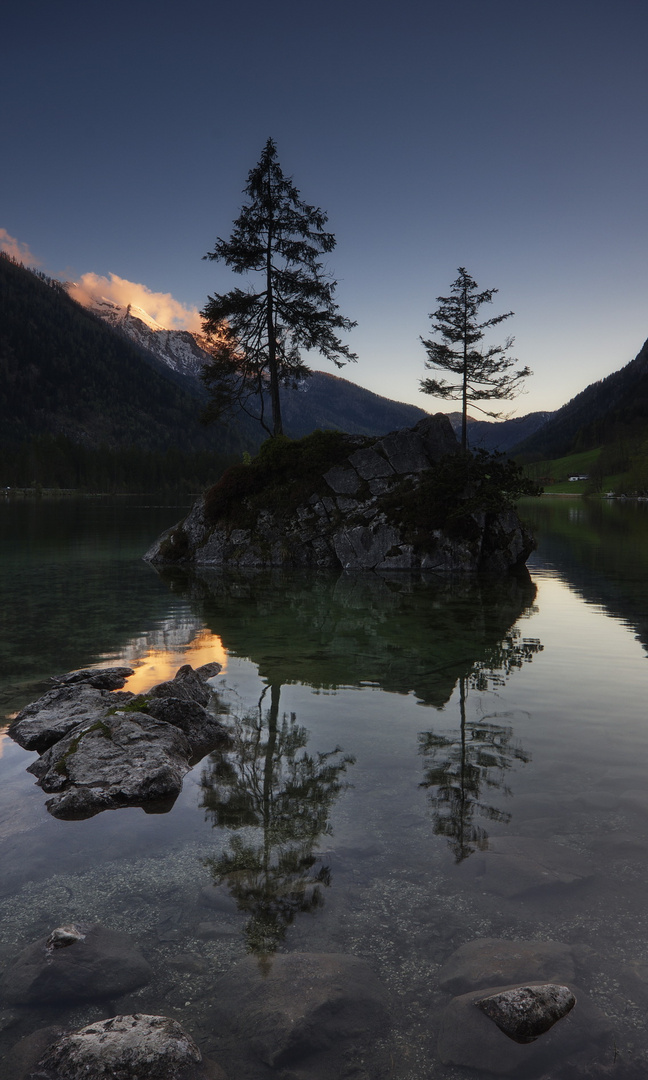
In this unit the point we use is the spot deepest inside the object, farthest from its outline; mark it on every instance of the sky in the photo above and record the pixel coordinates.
(504, 136)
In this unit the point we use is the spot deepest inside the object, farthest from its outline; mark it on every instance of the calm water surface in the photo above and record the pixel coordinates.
(410, 726)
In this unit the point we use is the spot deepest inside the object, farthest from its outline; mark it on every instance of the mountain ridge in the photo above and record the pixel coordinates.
(613, 407)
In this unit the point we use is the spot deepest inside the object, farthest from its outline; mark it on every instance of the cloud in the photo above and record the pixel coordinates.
(167, 312)
(17, 250)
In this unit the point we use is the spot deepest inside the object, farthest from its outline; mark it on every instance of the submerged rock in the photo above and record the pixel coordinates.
(526, 1012)
(98, 963)
(135, 1047)
(102, 750)
(520, 865)
(368, 504)
(490, 961)
(303, 1010)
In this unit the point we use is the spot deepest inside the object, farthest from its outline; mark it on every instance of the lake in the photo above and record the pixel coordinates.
(417, 764)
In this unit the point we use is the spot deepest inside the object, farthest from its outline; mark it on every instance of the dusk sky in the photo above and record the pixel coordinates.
(506, 136)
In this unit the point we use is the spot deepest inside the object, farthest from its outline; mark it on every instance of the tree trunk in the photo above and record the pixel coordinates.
(275, 403)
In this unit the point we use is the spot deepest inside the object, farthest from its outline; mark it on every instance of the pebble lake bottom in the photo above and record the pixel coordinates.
(422, 773)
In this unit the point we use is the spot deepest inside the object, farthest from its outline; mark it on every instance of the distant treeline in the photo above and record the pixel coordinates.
(53, 461)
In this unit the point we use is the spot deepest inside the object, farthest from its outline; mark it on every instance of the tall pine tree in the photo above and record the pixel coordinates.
(256, 337)
(483, 374)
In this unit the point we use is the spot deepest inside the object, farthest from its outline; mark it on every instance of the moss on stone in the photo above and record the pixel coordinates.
(100, 726)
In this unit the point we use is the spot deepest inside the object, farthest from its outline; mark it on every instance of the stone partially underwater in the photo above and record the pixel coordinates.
(102, 751)
(410, 500)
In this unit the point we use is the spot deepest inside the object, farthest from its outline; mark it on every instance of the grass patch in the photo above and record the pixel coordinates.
(554, 475)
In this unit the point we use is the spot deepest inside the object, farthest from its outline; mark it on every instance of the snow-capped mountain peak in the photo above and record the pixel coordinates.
(178, 349)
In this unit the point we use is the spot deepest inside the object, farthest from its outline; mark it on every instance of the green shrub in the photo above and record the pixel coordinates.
(451, 493)
(283, 474)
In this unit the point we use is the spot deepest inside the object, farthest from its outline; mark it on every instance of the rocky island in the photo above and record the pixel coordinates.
(410, 500)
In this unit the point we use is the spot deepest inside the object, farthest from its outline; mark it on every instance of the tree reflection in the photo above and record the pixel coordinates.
(269, 783)
(462, 763)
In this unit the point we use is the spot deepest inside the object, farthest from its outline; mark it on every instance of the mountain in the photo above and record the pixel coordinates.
(499, 434)
(321, 401)
(83, 407)
(179, 350)
(104, 398)
(66, 373)
(609, 410)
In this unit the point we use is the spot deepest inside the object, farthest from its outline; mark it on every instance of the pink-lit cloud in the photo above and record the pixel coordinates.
(17, 249)
(167, 312)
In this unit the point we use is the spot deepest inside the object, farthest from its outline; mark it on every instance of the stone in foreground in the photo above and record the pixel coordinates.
(468, 1038)
(102, 750)
(135, 1047)
(528, 1011)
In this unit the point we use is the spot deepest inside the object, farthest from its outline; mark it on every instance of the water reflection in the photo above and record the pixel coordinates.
(601, 549)
(459, 763)
(405, 634)
(270, 784)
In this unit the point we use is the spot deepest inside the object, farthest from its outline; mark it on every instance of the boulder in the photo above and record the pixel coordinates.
(101, 750)
(187, 685)
(97, 963)
(526, 1012)
(135, 1047)
(492, 961)
(42, 723)
(120, 760)
(468, 1038)
(303, 1007)
(112, 678)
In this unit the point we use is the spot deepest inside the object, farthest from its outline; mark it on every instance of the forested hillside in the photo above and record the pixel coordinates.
(81, 405)
(613, 410)
(84, 406)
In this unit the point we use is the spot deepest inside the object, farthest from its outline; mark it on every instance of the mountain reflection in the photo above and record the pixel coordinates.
(268, 783)
(460, 763)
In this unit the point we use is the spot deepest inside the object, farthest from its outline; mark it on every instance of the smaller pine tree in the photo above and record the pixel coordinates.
(483, 374)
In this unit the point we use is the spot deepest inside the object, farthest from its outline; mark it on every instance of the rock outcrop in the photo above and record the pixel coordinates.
(102, 750)
(406, 501)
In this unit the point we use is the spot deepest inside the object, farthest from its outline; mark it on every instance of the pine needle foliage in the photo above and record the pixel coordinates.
(256, 336)
(482, 374)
